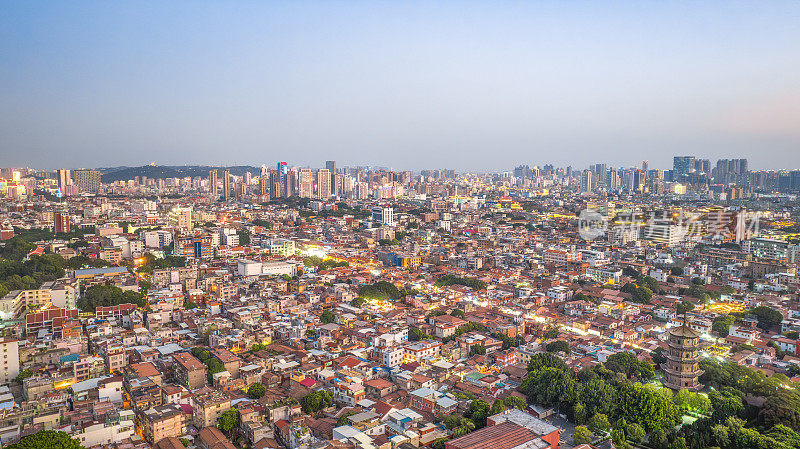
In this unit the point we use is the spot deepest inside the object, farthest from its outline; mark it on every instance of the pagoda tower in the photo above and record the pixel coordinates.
(682, 367)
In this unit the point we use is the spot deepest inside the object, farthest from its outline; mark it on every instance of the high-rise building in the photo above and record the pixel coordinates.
(88, 180)
(587, 181)
(730, 171)
(212, 181)
(263, 184)
(291, 187)
(64, 179)
(323, 184)
(331, 167)
(523, 172)
(383, 215)
(682, 165)
(638, 180)
(226, 184)
(61, 222)
(306, 183)
(274, 186)
(283, 169)
(612, 179)
(702, 166)
(599, 173)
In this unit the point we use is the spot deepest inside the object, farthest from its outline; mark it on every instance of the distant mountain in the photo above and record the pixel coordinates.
(113, 174)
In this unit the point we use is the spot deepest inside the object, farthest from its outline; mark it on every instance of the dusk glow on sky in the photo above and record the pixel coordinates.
(475, 86)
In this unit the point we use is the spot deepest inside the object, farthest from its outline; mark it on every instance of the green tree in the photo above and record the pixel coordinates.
(382, 290)
(626, 362)
(782, 408)
(467, 425)
(108, 295)
(721, 324)
(767, 317)
(450, 279)
(358, 302)
(545, 360)
(684, 307)
(256, 391)
(478, 411)
(618, 437)
(327, 317)
(244, 237)
(477, 350)
(658, 439)
(457, 313)
(515, 402)
(634, 432)
(24, 374)
(581, 435)
(650, 282)
(599, 422)
(658, 356)
(784, 435)
(342, 420)
(726, 403)
(439, 443)
(550, 386)
(598, 396)
(558, 346)
(579, 413)
(647, 406)
(679, 443)
(700, 403)
(47, 439)
(638, 294)
(452, 421)
(16, 248)
(228, 421)
(415, 334)
(551, 333)
(498, 407)
(316, 401)
(681, 398)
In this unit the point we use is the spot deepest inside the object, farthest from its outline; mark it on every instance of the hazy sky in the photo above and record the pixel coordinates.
(479, 86)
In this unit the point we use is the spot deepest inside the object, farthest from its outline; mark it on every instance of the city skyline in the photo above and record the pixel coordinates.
(478, 88)
(698, 164)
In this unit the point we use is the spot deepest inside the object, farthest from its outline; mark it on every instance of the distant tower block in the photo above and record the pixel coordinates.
(682, 368)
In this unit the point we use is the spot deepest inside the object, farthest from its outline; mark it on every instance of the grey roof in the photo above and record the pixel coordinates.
(525, 420)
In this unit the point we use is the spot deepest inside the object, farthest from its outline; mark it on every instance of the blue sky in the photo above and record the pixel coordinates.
(478, 86)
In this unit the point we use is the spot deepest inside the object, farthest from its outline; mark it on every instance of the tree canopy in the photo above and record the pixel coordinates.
(767, 317)
(49, 439)
(382, 290)
(450, 279)
(626, 362)
(316, 401)
(109, 295)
